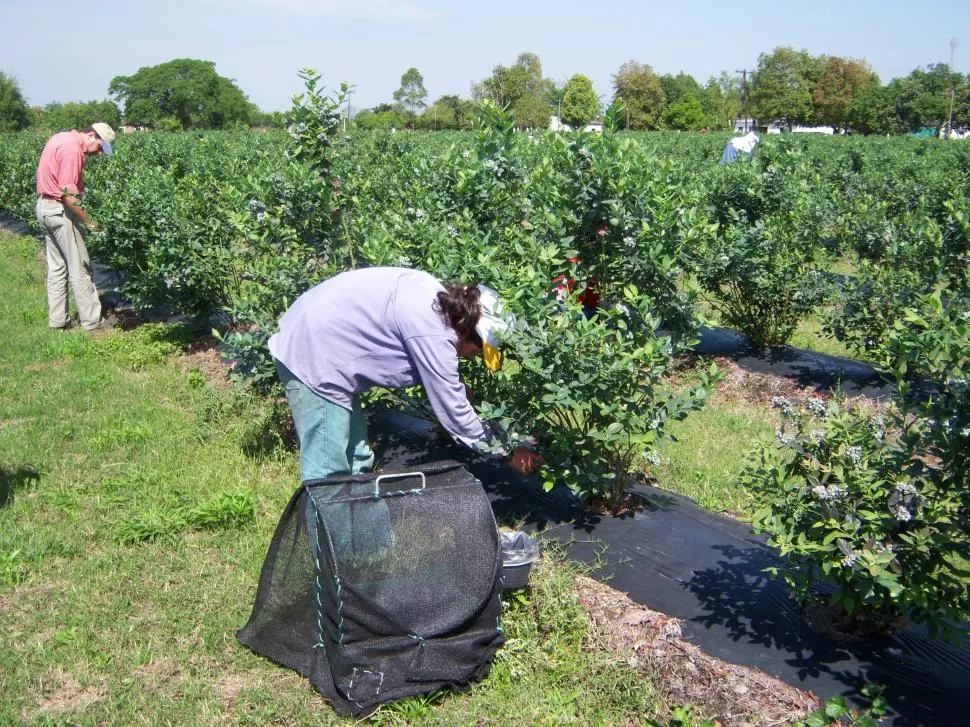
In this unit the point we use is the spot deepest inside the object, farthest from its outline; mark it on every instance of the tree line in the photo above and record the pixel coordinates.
(790, 87)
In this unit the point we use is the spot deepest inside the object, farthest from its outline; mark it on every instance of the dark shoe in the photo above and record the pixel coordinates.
(103, 325)
(71, 323)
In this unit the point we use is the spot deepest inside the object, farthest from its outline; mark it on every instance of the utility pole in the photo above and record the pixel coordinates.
(949, 124)
(744, 96)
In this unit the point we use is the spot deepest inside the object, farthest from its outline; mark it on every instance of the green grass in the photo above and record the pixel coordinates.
(135, 511)
(705, 460)
(809, 335)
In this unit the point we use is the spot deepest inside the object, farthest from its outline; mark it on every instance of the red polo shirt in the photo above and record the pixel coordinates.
(62, 165)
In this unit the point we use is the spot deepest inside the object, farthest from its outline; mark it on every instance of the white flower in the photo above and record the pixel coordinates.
(630, 242)
(817, 435)
(827, 494)
(781, 402)
(901, 513)
(652, 457)
(784, 439)
(848, 561)
(816, 405)
(905, 488)
(855, 454)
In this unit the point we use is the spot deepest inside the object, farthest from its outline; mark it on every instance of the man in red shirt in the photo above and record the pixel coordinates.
(60, 185)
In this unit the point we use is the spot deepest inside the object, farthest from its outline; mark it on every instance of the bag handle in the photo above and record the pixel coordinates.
(399, 476)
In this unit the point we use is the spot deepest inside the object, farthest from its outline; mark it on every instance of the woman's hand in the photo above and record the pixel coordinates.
(524, 460)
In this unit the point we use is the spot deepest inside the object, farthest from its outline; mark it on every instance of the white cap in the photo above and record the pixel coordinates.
(106, 134)
(492, 323)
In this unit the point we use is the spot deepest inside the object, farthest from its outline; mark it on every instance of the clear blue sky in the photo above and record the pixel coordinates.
(67, 51)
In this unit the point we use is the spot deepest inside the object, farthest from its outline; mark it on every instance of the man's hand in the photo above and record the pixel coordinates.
(524, 460)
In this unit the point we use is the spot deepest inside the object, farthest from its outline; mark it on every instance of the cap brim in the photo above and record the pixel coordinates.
(106, 147)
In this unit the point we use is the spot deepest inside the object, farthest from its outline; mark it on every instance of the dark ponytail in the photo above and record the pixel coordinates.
(459, 306)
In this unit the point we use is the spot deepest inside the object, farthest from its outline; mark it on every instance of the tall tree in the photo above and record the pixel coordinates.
(412, 94)
(841, 80)
(462, 109)
(531, 112)
(642, 94)
(521, 89)
(532, 66)
(382, 116)
(14, 114)
(183, 92)
(782, 88)
(580, 104)
(875, 110)
(925, 96)
(552, 94)
(719, 108)
(676, 87)
(448, 112)
(59, 116)
(686, 114)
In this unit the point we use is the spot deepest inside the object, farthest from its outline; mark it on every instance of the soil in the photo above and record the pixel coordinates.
(630, 504)
(62, 694)
(682, 674)
(203, 355)
(834, 623)
(756, 387)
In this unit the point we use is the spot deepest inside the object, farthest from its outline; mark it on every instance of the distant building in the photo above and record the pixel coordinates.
(745, 125)
(556, 124)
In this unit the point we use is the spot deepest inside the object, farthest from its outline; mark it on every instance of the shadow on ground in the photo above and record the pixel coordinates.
(707, 570)
(14, 479)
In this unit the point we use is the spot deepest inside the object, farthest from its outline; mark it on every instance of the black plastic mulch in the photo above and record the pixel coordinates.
(707, 570)
(803, 367)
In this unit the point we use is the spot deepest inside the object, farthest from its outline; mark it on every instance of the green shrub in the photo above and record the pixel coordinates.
(762, 282)
(851, 498)
(591, 391)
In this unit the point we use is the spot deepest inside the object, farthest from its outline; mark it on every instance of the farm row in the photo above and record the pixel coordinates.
(243, 223)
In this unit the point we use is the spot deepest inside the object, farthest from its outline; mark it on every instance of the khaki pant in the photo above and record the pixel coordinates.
(67, 261)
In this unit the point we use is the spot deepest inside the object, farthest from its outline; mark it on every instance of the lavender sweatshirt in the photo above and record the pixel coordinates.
(377, 327)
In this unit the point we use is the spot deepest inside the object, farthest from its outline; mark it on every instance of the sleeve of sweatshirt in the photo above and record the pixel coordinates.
(436, 361)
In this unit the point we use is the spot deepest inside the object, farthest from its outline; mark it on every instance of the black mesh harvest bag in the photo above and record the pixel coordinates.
(377, 587)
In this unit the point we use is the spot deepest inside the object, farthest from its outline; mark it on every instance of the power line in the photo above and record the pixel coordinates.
(949, 126)
(744, 95)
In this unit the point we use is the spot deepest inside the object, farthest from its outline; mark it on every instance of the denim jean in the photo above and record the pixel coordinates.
(333, 441)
